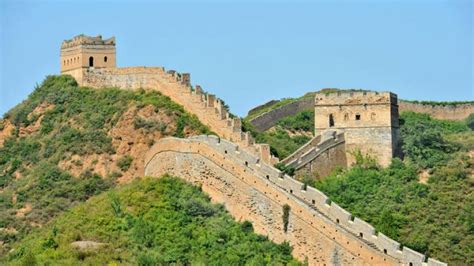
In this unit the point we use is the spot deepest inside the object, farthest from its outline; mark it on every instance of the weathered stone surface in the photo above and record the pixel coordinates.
(249, 193)
(270, 118)
(82, 52)
(369, 121)
(449, 112)
(238, 176)
(86, 245)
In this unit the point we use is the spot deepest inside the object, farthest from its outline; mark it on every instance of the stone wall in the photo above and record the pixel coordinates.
(449, 112)
(270, 118)
(82, 51)
(209, 109)
(327, 157)
(319, 230)
(308, 146)
(369, 120)
(241, 177)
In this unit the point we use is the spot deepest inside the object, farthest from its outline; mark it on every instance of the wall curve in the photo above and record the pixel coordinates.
(447, 112)
(252, 190)
(270, 118)
(207, 107)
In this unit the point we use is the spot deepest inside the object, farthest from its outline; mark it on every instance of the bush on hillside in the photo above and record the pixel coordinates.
(161, 221)
(433, 218)
(75, 121)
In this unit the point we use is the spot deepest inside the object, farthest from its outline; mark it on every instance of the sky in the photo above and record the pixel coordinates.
(250, 52)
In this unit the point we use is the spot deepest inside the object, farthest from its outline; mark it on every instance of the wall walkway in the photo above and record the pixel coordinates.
(319, 231)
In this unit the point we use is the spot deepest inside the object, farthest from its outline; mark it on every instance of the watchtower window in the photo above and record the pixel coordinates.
(357, 116)
(346, 116)
(91, 61)
(331, 120)
(105, 59)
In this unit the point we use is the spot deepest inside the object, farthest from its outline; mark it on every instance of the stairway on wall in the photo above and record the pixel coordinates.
(309, 206)
(314, 148)
(212, 113)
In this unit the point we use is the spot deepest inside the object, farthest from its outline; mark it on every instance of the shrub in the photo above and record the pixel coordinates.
(285, 169)
(154, 226)
(286, 217)
(301, 121)
(125, 162)
(470, 121)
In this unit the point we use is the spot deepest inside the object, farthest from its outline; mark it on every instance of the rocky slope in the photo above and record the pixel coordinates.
(65, 144)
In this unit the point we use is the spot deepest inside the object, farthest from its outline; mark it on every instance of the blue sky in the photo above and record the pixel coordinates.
(253, 51)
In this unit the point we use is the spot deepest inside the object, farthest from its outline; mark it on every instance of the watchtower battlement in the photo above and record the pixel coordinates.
(84, 52)
(369, 120)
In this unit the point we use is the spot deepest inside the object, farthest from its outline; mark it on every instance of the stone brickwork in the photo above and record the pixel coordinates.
(209, 109)
(319, 231)
(320, 156)
(241, 177)
(83, 52)
(448, 112)
(270, 118)
(369, 120)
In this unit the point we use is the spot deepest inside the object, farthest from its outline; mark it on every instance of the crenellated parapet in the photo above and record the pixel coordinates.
(321, 155)
(323, 218)
(206, 106)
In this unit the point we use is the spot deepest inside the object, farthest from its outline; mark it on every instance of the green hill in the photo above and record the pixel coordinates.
(150, 222)
(63, 154)
(65, 144)
(66, 150)
(425, 202)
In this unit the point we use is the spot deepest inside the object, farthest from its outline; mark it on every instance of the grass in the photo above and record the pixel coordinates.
(76, 123)
(150, 222)
(436, 218)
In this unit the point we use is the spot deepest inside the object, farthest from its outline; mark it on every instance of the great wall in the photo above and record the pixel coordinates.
(238, 173)
(270, 118)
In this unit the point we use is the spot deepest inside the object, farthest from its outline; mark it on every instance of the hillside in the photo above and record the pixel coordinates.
(267, 115)
(150, 222)
(65, 144)
(287, 135)
(426, 201)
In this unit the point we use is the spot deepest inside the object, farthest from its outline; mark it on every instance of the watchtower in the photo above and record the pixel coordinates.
(369, 121)
(83, 52)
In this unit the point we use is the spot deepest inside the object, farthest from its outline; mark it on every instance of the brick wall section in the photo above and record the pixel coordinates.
(320, 156)
(302, 150)
(252, 190)
(270, 118)
(209, 109)
(449, 112)
(238, 176)
(369, 120)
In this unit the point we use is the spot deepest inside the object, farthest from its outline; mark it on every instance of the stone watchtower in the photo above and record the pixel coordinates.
(369, 121)
(83, 52)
